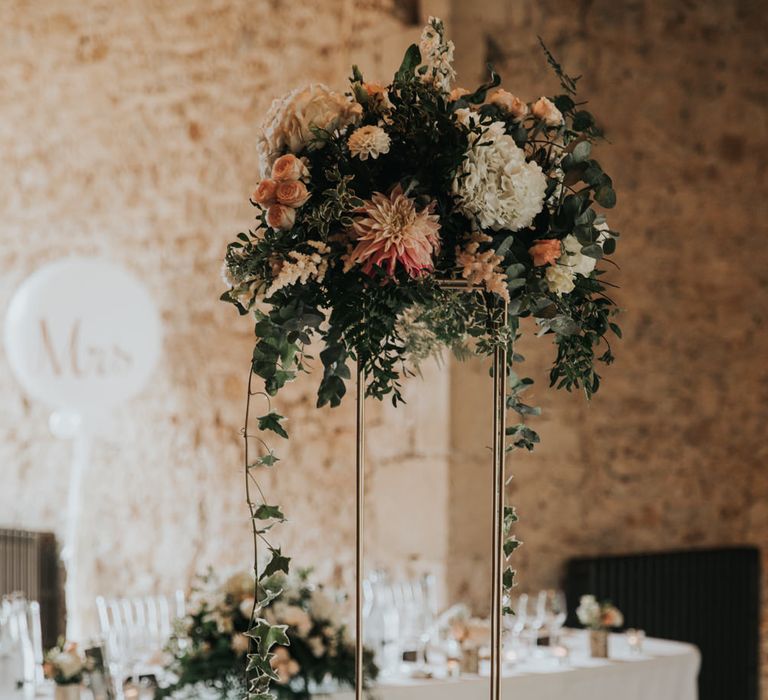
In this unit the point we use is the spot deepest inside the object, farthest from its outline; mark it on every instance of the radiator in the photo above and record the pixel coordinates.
(29, 564)
(710, 598)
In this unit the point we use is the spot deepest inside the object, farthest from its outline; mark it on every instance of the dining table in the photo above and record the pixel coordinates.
(662, 670)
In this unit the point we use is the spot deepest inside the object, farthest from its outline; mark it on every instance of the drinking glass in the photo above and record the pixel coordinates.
(552, 611)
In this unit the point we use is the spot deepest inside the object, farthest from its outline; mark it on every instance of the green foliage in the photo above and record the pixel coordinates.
(387, 321)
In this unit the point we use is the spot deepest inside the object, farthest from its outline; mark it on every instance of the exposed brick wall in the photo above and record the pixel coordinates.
(672, 452)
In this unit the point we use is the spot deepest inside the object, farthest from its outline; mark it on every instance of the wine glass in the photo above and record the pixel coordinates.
(552, 611)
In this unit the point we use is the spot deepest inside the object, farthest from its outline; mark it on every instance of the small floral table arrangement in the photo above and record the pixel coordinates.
(312, 652)
(64, 665)
(599, 617)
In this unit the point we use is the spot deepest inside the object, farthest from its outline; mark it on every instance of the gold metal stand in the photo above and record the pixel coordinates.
(359, 531)
(499, 481)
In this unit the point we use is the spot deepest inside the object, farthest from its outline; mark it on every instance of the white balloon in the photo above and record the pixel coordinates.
(82, 334)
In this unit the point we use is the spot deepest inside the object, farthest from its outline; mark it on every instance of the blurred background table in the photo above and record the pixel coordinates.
(664, 671)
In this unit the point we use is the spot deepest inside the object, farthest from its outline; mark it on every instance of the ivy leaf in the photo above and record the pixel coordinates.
(508, 578)
(257, 662)
(268, 635)
(511, 545)
(265, 512)
(277, 563)
(267, 598)
(272, 422)
(267, 460)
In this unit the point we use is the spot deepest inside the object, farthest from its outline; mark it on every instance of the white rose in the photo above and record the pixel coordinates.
(545, 110)
(588, 611)
(574, 259)
(560, 279)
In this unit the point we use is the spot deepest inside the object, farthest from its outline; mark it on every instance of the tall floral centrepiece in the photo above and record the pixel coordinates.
(369, 200)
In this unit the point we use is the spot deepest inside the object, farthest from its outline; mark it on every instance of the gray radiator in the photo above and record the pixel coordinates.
(29, 564)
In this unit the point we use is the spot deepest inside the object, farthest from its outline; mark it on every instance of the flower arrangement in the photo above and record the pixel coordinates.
(64, 664)
(311, 643)
(370, 200)
(598, 615)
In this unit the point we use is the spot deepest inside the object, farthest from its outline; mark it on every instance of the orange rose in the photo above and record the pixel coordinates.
(545, 252)
(280, 217)
(265, 192)
(288, 167)
(292, 194)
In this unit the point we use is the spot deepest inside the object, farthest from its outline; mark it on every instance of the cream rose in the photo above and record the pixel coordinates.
(265, 193)
(509, 103)
(292, 194)
(281, 217)
(545, 110)
(288, 167)
(560, 279)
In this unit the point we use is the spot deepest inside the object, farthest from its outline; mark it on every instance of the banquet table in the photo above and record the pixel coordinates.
(664, 671)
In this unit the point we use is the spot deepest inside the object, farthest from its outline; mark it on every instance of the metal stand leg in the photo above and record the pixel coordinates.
(499, 480)
(359, 531)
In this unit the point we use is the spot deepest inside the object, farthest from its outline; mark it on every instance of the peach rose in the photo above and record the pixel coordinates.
(509, 103)
(288, 167)
(457, 93)
(280, 217)
(266, 192)
(378, 95)
(292, 194)
(545, 252)
(545, 110)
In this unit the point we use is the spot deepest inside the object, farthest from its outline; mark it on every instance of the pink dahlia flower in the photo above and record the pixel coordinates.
(389, 230)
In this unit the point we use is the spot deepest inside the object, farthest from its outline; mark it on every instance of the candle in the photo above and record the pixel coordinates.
(560, 654)
(635, 640)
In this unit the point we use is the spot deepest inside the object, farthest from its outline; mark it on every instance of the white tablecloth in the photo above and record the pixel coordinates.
(665, 671)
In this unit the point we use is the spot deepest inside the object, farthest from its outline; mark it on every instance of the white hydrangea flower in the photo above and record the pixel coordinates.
(288, 124)
(495, 184)
(368, 141)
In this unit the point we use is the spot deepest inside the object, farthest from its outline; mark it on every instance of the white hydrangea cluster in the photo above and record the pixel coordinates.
(302, 267)
(288, 124)
(496, 185)
(436, 56)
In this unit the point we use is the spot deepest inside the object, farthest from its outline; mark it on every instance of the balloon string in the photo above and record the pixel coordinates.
(81, 450)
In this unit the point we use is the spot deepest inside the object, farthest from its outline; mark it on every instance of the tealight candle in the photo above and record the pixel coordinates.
(560, 654)
(635, 640)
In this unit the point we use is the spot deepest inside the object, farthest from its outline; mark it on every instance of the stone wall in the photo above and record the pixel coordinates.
(127, 131)
(671, 453)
